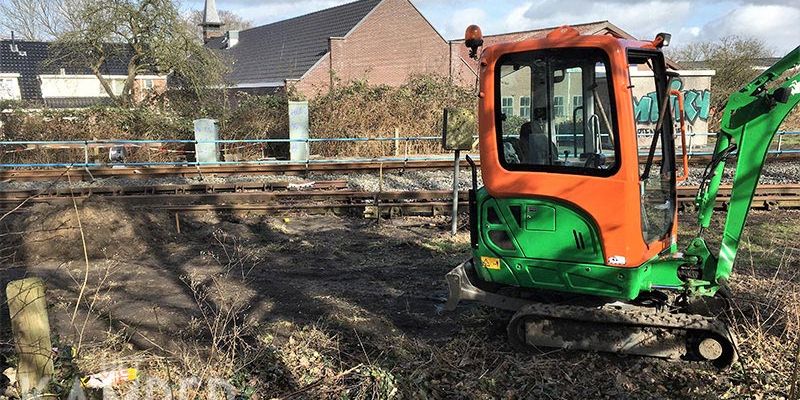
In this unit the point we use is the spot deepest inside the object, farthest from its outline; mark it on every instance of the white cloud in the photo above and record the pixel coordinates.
(516, 20)
(775, 24)
(463, 18)
(640, 18)
(266, 11)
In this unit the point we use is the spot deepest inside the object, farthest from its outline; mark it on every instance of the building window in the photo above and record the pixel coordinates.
(577, 101)
(507, 106)
(558, 106)
(148, 84)
(525, 107)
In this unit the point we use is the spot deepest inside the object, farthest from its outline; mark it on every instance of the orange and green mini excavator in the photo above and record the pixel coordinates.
(573, 229)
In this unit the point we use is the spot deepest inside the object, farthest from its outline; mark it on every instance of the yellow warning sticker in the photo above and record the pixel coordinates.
(490, 262)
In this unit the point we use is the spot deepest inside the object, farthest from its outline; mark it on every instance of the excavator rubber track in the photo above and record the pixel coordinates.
(616, 327)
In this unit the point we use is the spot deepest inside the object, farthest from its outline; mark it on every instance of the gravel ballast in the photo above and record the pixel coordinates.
(774, 173)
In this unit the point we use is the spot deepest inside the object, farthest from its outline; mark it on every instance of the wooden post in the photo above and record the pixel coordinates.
(31, 328)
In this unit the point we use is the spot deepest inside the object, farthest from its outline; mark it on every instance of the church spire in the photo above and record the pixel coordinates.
(211, 22)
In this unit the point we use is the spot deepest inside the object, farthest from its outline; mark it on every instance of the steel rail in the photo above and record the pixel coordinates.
(224, 170)
(343, 167)
(320, 196)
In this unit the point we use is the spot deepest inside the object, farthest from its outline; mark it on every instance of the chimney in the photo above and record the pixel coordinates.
(211, 24)
(231, 39)
(14, 47)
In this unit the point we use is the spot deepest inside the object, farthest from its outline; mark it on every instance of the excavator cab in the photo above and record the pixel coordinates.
(575, 228)
(567, 205)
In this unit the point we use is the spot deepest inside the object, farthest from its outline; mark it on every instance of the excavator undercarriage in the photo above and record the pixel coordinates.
(653, 328)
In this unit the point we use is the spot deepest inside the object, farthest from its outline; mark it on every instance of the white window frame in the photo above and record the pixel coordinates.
(559, 110)
(525, 109)
(507, 109)
(577, 101)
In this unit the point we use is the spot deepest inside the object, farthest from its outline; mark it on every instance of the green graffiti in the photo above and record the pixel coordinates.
(641, 108)
(703, 103)
(697, 105)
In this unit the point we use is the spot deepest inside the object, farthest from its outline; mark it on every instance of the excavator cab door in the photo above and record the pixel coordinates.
(653, 114)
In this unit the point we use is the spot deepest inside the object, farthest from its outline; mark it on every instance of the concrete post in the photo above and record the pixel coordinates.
(205, 130)
(298, 131)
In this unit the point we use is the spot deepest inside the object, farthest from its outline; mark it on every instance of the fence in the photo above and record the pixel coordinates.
(179, 147)
(182, 148)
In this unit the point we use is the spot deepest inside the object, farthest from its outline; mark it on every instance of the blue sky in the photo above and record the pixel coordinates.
(777, 22)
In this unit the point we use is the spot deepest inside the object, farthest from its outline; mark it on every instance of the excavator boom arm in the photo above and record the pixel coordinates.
(750, 121)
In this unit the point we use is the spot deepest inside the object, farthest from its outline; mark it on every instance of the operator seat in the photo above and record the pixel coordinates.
(537, 148)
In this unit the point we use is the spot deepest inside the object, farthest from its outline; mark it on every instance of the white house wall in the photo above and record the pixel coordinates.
(77, 86)
(695, 85)
(84, 85)
(9, 87)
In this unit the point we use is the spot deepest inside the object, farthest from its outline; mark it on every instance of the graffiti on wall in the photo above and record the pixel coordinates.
(697, 105)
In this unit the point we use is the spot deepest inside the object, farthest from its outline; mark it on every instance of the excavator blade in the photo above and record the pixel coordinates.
(616, 327)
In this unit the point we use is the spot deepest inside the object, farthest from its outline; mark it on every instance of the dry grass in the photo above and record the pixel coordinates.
(224, 352)
(230, 343)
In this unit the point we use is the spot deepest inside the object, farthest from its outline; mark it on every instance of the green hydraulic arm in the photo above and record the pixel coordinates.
(750, 121)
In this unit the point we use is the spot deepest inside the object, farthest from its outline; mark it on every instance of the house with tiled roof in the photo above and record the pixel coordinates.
(380, 41)
(29, 73)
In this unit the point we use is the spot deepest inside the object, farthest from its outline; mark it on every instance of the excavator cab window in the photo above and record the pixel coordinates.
(653, 115)
(561, 117)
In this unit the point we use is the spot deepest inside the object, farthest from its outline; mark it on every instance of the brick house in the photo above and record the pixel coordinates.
(29, 74)
(381, 41)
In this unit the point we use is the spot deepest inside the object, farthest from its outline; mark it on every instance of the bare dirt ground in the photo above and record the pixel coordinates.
(325, 306)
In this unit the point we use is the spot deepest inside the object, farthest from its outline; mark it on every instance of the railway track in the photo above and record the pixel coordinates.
(313, 197)
(221, 170)
(79, 173)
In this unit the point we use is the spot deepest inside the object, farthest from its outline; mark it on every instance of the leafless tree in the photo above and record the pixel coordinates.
(732, 57)
(38, 19)
(148, 35)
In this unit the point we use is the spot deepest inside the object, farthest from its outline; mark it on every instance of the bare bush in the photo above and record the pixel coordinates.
(355, 110)
(732, 57)
(360, 110)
